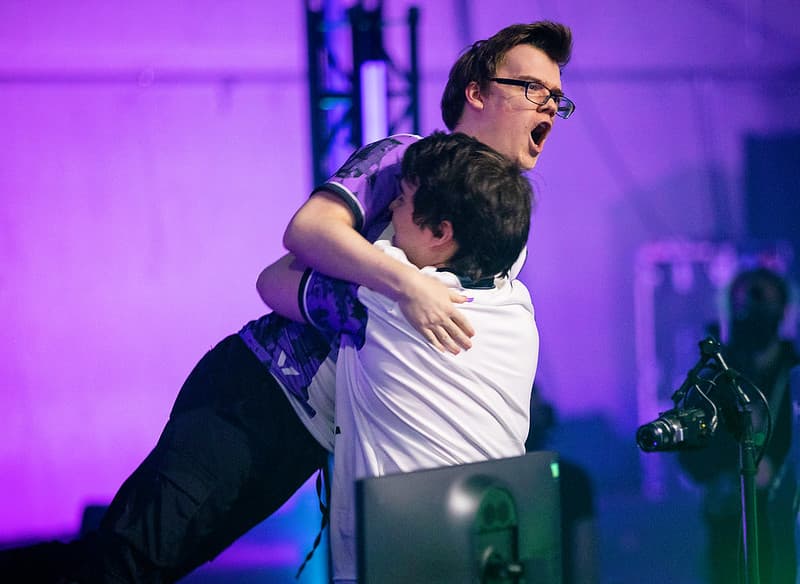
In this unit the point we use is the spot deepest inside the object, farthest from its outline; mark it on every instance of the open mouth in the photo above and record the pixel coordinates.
(539, 133)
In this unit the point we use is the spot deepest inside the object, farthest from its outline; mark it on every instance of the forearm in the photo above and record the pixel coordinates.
(321, 236)
(278, 285)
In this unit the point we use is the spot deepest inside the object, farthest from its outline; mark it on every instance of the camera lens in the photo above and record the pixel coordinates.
(674, 429)
(654, 436)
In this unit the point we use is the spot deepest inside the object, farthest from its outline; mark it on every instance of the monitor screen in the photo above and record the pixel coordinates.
(488, 522)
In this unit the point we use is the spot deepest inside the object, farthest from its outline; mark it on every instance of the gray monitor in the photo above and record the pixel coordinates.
(488, 522)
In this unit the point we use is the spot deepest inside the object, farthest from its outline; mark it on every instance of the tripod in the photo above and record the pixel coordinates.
(691, 427)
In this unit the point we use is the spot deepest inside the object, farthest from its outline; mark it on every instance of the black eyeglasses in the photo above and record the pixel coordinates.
(537, 93)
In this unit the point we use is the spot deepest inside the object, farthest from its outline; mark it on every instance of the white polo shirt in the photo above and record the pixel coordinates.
(401, 405)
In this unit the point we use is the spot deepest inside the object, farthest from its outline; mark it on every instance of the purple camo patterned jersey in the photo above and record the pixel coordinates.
(293, 352)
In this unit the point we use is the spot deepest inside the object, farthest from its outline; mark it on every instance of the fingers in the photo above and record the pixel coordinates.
(460, 330)
(450, 336)
(447, 341)
(431, 311)
(431, 337)
(458, 298)
(441, 340)
(457, 338)
(463, 329)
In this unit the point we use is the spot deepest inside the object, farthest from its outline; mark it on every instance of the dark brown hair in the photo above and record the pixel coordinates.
(479, 63)
(484, 195)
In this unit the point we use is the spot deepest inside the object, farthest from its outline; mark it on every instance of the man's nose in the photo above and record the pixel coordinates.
(550, 106)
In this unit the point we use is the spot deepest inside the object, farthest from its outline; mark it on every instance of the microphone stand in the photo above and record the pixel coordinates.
(747, 465)
(710, 348)
(747, 471)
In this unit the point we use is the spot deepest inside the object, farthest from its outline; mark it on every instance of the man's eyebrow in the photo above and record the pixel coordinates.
(556, 90)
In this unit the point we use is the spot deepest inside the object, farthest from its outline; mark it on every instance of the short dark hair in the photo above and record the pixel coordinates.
(483, 194)
(751, 281)
(480, 61)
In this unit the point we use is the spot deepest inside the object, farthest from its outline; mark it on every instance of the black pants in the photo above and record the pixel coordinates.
(232, 452)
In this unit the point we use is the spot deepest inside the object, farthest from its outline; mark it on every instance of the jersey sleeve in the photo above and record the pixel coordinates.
(331, 305)
(370, 178)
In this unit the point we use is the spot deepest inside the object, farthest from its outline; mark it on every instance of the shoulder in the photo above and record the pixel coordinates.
(511, 291)
(370, 158)
(392, 251)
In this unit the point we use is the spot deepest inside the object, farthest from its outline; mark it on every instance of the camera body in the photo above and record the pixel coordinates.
(676, 429)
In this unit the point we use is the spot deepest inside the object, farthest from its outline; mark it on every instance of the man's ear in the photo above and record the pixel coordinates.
(442, 245)
(473, 95)
(443, 234)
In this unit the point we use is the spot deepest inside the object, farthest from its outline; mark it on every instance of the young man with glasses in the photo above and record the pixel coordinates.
(233, 450)
(513, 120)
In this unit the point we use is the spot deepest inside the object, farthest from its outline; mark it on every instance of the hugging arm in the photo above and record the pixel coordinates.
(329, 304)
(322, 235)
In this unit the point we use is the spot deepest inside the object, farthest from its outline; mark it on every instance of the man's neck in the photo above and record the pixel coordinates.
(465, 127)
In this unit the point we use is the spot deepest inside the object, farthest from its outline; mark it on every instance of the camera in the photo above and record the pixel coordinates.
(676, 429)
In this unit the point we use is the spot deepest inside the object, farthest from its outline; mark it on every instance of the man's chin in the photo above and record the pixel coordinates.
(527, 163)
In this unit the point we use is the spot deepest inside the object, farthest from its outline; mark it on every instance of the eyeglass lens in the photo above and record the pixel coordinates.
(539, 94)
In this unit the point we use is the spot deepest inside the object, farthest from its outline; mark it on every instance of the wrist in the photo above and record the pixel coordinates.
(399, 281)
